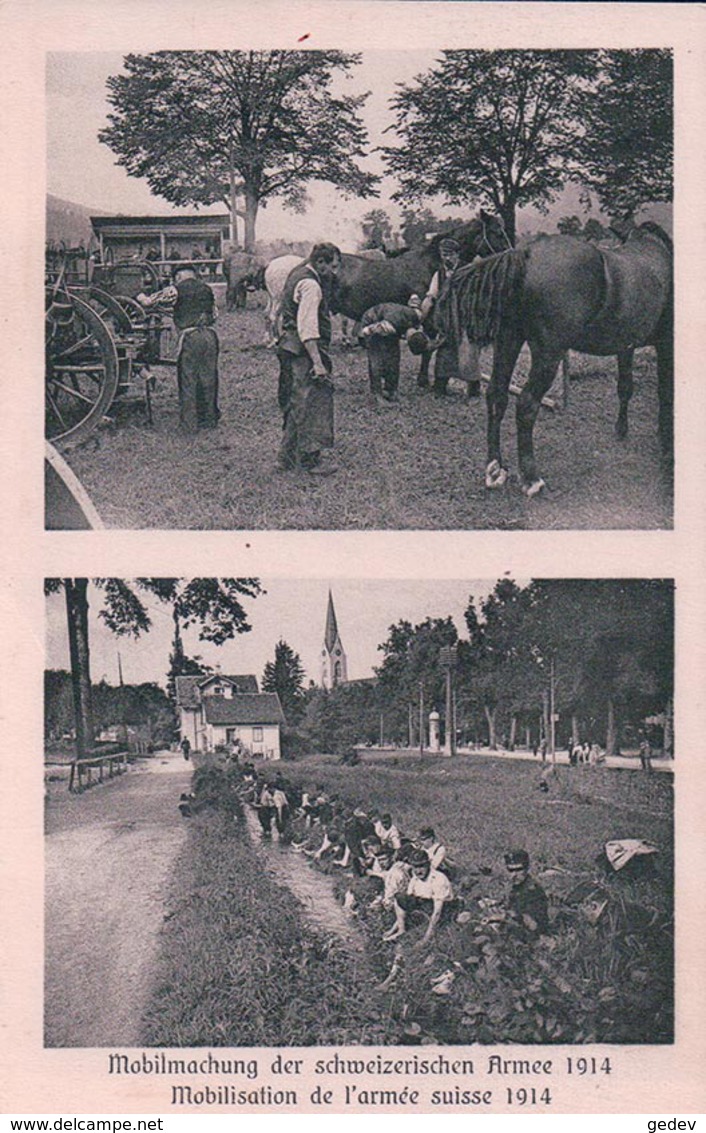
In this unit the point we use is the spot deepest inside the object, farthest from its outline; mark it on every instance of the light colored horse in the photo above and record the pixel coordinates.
(276, 274)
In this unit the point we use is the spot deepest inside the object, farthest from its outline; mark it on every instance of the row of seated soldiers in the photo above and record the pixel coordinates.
(415, 875)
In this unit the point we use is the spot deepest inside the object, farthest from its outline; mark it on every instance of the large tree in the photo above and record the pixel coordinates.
(410, 674)
(377, 229)
(492, 128)
(204, 127)
(626, 149)
(285, 676)
(611, 642)
(213, 604)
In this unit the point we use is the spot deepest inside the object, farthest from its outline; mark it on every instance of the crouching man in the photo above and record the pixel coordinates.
(381, 329)
(429, 893)
(527, 902)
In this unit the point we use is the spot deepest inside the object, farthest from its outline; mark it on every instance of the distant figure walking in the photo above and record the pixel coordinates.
(186, 747)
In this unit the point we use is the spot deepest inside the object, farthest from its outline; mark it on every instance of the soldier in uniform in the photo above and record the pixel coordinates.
(527, 901)
(193, 309)
(306, 388)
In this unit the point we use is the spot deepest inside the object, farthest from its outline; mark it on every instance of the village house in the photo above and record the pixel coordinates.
(214, 710)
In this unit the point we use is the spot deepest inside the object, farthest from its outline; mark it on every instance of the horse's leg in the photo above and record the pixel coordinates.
(542, 373)
(423, 375)
(565, 379)
(665, 390)
(625, 388)
(505, 354)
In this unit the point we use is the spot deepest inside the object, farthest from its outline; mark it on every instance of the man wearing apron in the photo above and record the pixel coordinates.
(193, 309)
(306, 388)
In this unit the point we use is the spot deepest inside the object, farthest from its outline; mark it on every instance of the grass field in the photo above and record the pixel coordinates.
(415, 465)
(238, 948)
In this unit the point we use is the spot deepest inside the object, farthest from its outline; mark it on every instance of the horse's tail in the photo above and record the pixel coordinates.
(482, 292)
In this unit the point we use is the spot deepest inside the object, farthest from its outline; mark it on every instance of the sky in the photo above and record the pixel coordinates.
(291, 609)
(81, 170)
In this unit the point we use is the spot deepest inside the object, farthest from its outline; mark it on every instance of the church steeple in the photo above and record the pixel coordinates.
(334, 665)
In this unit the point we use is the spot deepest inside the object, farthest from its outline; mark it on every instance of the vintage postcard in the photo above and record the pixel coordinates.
(352, 685)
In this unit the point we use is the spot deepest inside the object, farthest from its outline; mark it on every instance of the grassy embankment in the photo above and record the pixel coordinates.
(235, 969)
(416, 465)
(239, 966)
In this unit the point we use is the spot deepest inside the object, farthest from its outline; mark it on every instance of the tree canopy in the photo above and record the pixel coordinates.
(214, 604)
(626, 150)
(207, 126)
(285, 676)
(491, 128)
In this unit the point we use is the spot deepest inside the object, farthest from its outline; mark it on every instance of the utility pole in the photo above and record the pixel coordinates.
(448, 660)
(552, 712)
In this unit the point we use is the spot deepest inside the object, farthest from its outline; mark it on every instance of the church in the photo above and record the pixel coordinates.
(334, 664)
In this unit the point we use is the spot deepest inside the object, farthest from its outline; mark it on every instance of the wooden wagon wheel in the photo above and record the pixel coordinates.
(81, 368)
(111, 310)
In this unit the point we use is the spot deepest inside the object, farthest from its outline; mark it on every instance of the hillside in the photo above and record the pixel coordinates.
(69, 222)
(568, 203)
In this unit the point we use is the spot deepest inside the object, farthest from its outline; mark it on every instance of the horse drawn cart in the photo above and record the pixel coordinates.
(99, 342)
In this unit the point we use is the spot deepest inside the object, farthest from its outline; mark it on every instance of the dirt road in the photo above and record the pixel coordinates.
(109, 854)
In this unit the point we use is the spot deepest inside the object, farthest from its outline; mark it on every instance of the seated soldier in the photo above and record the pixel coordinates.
(434, 849)
(527, 902)
(394, 875)
(357, 828)
(381, 328)
(429, 892)
(387, 832)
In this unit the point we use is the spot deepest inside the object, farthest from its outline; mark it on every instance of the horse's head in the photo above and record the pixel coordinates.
(482, 236)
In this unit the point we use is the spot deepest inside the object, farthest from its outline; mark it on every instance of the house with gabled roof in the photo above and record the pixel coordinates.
(214, 710)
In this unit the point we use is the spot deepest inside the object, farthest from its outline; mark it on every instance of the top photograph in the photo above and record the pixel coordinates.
(384, 290)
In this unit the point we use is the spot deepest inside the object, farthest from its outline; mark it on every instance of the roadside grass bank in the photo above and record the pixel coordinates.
(239, 966)
(605, 974)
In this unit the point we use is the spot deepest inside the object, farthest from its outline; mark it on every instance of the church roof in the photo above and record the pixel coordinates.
(331, 634)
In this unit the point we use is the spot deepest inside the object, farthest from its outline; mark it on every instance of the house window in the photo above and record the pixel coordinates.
(257, 735)
(218, 690)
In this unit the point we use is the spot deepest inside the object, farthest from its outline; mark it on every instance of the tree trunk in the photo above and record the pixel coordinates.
(513, 732)
(507, 212)
(528, 738)
(668, 738)
(233, 209)
(251, 207)
(76, 593)
(490, 717)
(610, 729)
(575, 728)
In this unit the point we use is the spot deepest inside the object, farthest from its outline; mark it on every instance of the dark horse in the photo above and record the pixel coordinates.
(363, 283)
(561, 293)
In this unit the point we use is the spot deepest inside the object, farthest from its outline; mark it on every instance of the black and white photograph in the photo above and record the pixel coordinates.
(385, 289)
(352, 561)
(287, 813)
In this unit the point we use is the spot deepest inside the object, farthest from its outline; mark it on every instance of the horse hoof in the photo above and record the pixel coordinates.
(621, 431)
(533, 489)
(495, 475)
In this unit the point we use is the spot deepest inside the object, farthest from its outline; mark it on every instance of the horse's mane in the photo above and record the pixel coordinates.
(654, 229)
(480, 293)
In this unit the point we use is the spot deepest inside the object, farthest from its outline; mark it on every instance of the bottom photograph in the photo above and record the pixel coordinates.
(358, 812)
